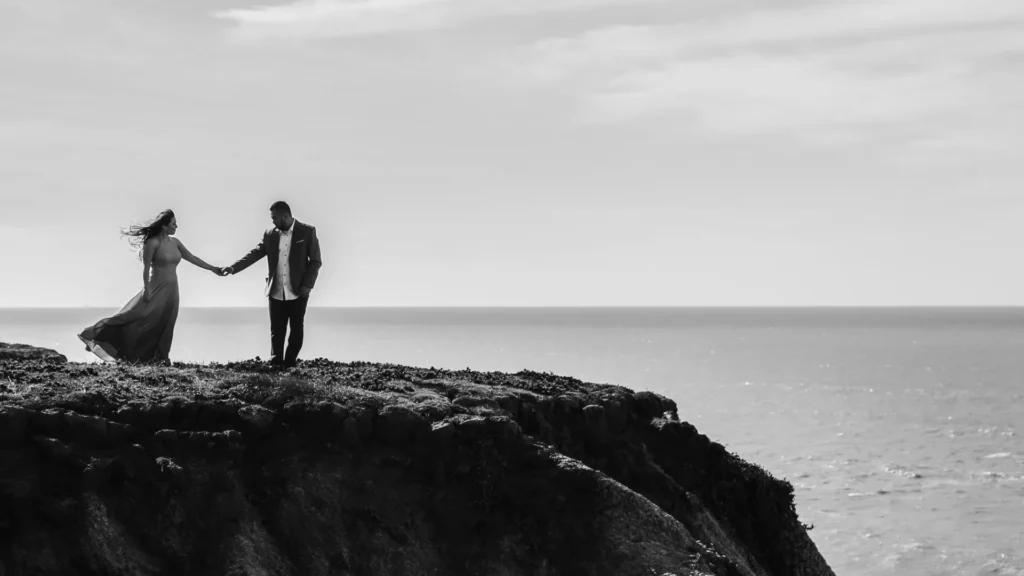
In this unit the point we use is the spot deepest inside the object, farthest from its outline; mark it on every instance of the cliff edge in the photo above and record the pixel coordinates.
(352, 469)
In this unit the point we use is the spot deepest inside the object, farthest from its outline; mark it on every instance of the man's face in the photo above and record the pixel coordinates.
(281, 220)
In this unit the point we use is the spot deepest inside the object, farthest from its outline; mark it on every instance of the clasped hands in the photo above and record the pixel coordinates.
(228, 270)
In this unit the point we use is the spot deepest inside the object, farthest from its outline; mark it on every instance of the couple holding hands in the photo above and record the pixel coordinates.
(144, 328)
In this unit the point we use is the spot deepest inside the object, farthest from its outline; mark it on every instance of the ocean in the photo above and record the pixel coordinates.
(902, 429)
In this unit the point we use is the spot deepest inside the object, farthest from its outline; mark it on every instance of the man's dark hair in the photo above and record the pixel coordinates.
(281, 206)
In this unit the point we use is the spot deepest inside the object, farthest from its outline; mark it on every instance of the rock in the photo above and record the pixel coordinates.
(332, 411)
(135, 463)
(475, 426)
(13, 424)
(127, 470)
(475, 402)
(566, 404)
(442, 432)
(20, 352)
(650, 405)
(597, 423)
(15, 477)
(364, 416)
(616, 415)
(143, 414)
(48, 422)
(86, 427)
(219, 415)
(505, 430)
(53, 448)
(350, 431)
(228, 507)
(398, 425)
(510, 404)
(260, 417)
(170, 469)
(166, 435)
(95, 472)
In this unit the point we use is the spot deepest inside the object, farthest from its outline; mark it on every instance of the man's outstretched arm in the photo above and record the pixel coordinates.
(254, 256)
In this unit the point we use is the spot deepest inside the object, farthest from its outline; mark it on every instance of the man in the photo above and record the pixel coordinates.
(293, 258)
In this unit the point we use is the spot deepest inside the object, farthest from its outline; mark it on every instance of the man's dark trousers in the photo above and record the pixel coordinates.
(283, 313)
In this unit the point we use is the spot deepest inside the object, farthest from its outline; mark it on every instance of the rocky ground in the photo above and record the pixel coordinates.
(352, 469)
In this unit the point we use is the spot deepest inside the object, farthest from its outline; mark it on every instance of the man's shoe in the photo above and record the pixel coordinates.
(291, 363)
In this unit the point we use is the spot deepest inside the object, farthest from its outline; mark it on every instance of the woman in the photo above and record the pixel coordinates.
(142, 331)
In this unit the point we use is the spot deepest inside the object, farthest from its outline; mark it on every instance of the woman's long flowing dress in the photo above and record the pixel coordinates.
(144, 328)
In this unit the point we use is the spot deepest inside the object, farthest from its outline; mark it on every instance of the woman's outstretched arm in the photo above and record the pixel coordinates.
(192, 258)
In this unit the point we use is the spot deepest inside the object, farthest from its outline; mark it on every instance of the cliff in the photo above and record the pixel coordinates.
(351, 469)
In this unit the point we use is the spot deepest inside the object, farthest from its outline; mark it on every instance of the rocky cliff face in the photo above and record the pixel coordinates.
(351, 469)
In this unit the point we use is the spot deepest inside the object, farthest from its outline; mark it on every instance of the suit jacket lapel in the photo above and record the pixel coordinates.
(293, 255)
(273, 249)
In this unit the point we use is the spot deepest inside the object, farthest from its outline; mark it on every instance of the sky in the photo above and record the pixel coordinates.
(521, 153)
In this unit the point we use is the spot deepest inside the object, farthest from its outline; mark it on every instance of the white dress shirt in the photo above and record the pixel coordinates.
(282, 287)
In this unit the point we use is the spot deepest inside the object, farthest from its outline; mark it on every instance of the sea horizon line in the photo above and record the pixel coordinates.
(587, 307)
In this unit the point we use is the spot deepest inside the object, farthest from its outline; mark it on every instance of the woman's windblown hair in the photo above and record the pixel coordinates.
(137, 234)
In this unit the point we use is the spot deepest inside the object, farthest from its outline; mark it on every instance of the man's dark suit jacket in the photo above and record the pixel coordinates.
(303, 258)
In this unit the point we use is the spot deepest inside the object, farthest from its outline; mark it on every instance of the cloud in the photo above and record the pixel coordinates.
(755, 93)
(64, 32)
(352, 18)
(836, 68)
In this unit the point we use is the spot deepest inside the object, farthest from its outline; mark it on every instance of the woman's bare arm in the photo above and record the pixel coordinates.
(148, 251)
(193, 259)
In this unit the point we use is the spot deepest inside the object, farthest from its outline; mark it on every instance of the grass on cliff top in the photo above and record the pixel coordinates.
(41, 384)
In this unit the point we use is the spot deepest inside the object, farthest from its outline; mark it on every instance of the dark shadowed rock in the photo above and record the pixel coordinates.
(258, 416)
(26, 352)
(597, 421)
(372, 469)
(400, 425)
(350, 431)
